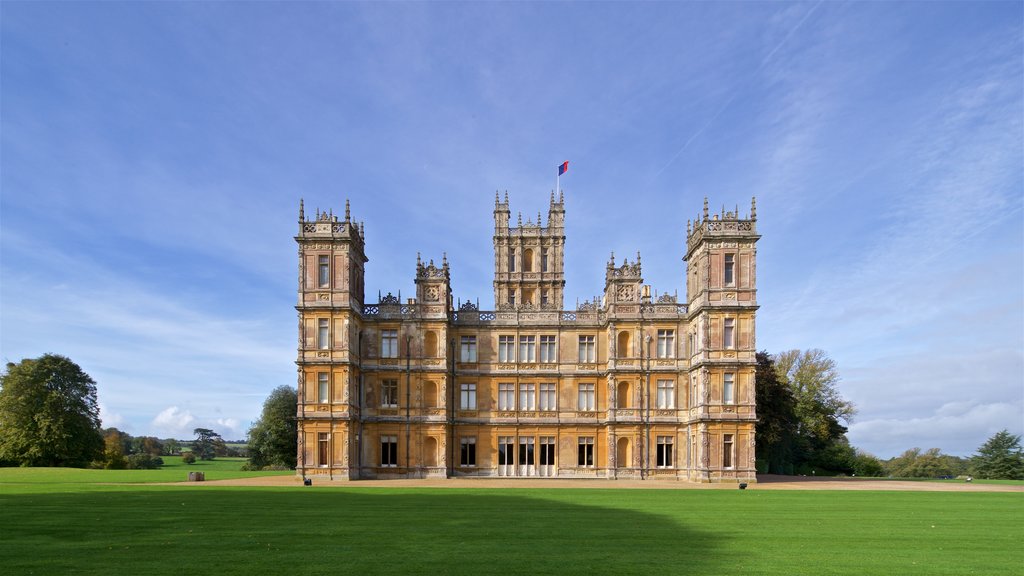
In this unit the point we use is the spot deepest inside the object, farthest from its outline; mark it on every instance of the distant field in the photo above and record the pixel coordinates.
(174, 470)
(86, 527)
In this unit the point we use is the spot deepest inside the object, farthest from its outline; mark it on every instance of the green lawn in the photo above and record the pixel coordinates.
(78, 528)
(173, 470)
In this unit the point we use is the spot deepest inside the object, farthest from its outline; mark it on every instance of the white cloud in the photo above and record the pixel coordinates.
(173, 422)
(109, 419)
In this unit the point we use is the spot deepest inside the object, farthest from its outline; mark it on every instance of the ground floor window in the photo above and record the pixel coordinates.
(506, 450)
(389, 451)
(467, 453)
(526, 451)
(585, 452)
(727, 451)
(323, 446)
(547, 450)
(664, 451)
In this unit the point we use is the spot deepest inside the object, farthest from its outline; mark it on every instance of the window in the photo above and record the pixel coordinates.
(467, 451)
(585, 452)
(511, 260)
(506, 396)
(468, 396)
(505, 450)
(323, 449)
(389, 343)
(512, 299)
(527, 396)
(666, 343)
(727, 455)
(693, 345)
(587, 349)
(506, 349)
(547, 349)
(693, 391)
(544, 261)
(548, 397)
(323, 334)
(547, 450)
(664, 451)
(528, 349)
(728, 339)
(586, 398)
(325, 272)
(729, 265)
(323, 387)
(389, 393)
(389, 451)
(728, 389)
(469, 349)
(525, 451)
(666, 394)
(544, 297)
(527, 260)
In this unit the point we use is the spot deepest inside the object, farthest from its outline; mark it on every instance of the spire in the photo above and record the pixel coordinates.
(561, 197)
(705, 207)
(348, 215)
(520, 219)
(302, 211)
(419, 262)
(611, 262)
(538, 218)
(637, 257)
(687, 226)
(496, 198)
(552, 196)
(753, 207)
(444, 260)
(506, 196)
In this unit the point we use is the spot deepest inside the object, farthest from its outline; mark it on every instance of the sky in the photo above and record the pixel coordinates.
(153, 154)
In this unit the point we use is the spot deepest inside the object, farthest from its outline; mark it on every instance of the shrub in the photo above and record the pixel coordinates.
(188, 458)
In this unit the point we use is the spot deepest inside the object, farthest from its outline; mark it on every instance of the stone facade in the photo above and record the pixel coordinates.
(627, 386)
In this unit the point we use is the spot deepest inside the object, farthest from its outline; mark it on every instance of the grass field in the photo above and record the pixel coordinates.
(78, 526)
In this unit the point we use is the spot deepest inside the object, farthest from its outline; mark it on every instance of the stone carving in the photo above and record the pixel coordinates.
(666, 299)
(390, 299)
(626, 293)
(432, 293)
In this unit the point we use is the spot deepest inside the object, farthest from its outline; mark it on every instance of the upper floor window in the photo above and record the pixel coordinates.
(323, 387)
(586, 401)
(324, 271)
(728, 388)
(543, 297)
(506, 349)
(666, 394)
(468, 349)
(389, 343)
(467, 399)
(544, 261)
(389, 393)
(547, 349)
(323, 334)
(729, 269)
(506, 396)
(527, 260)
(527, 396)
(666, 343)
(512, 260)
(528, 349)
(587, 353)
(728, 334)
(511, 298)
(548, 397)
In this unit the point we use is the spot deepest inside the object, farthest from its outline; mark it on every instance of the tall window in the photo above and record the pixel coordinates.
(323, 334)
(728, 389)
(587, 349)
(467, 399)
(666, 394)
(666, 343)
(728, 336)
(664, 451)
(512, 299)
(389, 343)
(323, 387)
(547, 348)
(544, 261)
(324, 271)
(467, 452)
(506, 450)
(586, 401)
(727, 448)
(729, 265)
(506, 349)
(389, 393)
(512, 260)
(585, 452)
(527, 396)
(468, 349)
(547, 450)
(548, 397)
(389, 451)
(506, 396)
(526, 451)
(693, 391)
(528, 349)
(544, 297)
(323, 449)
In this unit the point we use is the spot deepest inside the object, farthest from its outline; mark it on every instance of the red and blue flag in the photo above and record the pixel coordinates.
(563, 168)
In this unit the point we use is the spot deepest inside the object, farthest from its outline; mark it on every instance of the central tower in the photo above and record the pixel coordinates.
(528, 259)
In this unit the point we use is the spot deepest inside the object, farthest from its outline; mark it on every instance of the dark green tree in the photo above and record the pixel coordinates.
(999, 458)
(776, 418)
(273, 438)
(49, 415)
(205, 444)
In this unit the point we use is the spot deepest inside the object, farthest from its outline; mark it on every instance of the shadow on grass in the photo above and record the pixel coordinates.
(180, 531)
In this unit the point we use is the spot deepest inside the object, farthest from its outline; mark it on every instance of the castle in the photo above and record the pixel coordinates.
(629, 386)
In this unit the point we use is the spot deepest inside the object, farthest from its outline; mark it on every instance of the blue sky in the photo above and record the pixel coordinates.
(153, 156)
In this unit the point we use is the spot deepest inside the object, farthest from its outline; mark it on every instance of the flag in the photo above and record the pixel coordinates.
(563, 168)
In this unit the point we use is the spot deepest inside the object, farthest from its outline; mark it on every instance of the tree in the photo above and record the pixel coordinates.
(929, 464)
(205, 444)
(171, 447)
(49, 415)
(1000, 457)
(775, 430)
(273, 438)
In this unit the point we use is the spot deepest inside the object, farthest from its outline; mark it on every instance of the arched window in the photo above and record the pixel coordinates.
(527, 260)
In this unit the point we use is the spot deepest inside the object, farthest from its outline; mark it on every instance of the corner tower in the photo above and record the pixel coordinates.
(529, 268)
